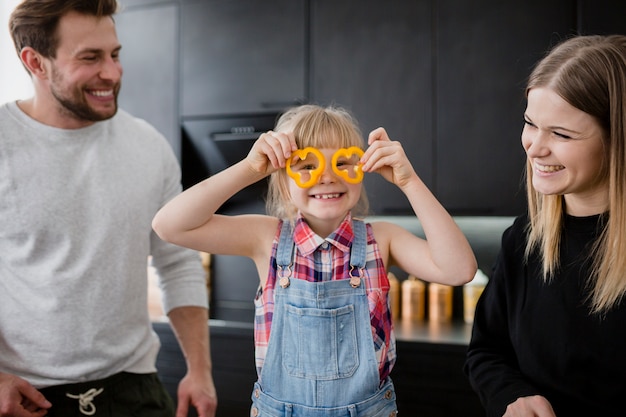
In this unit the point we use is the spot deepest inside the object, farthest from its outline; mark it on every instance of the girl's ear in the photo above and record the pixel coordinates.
(34, 62)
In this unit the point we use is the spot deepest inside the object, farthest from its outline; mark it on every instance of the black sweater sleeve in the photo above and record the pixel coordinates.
(491, 364)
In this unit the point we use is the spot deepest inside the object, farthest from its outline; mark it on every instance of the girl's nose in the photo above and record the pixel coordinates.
(328, 176)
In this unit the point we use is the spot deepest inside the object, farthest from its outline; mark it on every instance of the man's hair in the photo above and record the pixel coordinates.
(34, 22)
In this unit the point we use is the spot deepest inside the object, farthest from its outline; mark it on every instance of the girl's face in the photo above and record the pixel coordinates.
(326, 203)
(565, 147)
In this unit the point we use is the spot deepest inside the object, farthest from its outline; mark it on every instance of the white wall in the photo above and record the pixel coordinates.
(14, 81)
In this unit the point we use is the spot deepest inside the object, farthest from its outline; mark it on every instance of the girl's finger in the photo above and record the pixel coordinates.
(377, 134)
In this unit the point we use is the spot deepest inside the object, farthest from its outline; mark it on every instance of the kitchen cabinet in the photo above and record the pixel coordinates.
(149, 38)
(606, 19)
(243, 56)
(485, 52)
(446, 79)
(376, 60)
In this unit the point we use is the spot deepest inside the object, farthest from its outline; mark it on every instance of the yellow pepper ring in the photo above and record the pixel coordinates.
(315, 173)
(343, 173)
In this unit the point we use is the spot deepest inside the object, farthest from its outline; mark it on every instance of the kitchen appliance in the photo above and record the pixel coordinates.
(213, 143)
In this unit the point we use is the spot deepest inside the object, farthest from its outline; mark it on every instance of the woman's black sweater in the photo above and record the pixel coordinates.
(531, 337)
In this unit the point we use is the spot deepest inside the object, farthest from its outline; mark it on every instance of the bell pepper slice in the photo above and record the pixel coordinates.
(344, 173)
(314, 173)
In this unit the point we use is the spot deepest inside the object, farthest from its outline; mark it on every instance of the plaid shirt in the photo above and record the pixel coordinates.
(318, 259)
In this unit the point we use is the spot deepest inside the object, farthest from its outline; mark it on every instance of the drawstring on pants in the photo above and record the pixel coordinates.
(85, 400)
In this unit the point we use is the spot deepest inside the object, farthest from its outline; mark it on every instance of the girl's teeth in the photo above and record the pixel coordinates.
(327, 196)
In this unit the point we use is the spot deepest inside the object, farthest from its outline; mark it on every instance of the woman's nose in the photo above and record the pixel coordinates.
(535, 143)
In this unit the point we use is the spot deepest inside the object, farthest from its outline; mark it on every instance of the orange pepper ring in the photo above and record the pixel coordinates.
(343, 173)
(315, 173)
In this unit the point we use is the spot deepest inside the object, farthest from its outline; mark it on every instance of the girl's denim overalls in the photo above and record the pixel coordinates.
(321, 348)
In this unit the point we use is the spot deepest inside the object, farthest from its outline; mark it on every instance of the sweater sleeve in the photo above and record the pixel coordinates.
(182, 278)
(491, 363)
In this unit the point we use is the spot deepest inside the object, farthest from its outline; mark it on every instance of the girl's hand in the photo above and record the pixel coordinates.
(387, 157)
(271, 151)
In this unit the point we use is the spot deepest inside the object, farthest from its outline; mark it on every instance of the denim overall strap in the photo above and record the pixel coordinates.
(284, 255)
(357, 253)
(359, 246)
(286, 246)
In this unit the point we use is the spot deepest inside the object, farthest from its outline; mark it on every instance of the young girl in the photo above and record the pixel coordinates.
(323, 333)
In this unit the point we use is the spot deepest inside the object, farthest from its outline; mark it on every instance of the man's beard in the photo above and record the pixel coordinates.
(74, 105)
(79, 109)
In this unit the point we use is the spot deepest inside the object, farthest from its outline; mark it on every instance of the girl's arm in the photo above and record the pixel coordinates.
(445, 256)
(189, 219)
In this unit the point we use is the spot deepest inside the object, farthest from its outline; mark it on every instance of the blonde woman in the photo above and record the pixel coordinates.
(549, 334)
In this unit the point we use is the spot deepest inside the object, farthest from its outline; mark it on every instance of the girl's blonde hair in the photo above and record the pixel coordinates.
(319, 127)
(589, 72)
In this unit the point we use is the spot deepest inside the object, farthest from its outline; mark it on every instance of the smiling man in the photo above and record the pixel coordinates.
(80, 182)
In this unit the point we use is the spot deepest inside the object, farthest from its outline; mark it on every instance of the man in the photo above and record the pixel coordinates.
(80, 182)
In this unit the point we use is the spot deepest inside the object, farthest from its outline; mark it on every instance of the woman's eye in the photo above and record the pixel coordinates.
(562, 135)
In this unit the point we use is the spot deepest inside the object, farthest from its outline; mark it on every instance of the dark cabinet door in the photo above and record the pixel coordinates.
(241, 56)
(485, 52)
(601, 18)
(149, 38)
(376, 60)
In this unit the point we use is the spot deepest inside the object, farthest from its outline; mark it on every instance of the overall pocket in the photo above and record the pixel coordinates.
(320, 344)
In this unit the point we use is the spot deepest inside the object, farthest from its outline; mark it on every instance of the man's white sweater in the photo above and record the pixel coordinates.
(75, 234)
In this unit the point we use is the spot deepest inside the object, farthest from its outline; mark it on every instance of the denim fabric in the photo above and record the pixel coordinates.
(382, 404)
(320, 361)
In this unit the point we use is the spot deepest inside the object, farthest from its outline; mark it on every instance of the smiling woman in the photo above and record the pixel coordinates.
(14, 81)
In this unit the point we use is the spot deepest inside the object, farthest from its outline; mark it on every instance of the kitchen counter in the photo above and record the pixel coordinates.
(452, 333)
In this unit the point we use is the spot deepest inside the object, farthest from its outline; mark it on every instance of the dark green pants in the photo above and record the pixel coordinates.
(120, 395)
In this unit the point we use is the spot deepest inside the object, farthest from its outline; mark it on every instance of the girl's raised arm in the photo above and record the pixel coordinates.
(189, 219)
(445, 256)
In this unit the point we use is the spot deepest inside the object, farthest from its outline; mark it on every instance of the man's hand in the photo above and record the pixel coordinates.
(198, 390)
(18, 398)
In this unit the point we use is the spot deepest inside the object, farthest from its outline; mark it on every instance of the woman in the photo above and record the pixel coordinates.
(549, 333)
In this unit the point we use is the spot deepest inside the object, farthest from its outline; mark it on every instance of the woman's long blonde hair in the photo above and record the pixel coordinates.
(319, 127)
(589, 72)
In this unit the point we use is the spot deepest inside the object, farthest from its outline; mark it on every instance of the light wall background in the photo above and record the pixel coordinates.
(14, 81)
